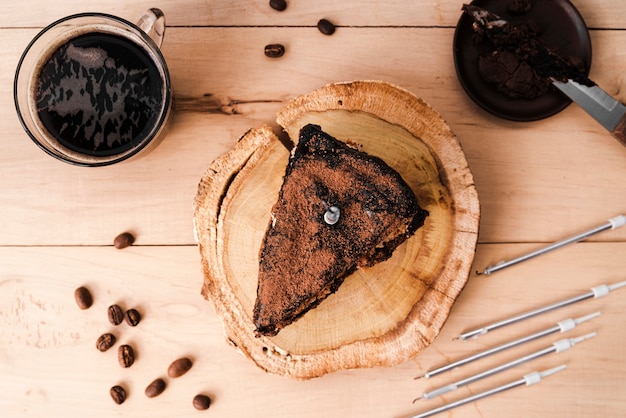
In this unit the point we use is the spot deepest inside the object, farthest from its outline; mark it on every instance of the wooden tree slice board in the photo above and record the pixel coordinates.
(382, 315)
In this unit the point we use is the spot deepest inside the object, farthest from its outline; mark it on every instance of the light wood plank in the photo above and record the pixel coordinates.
(49, 364)
(518, 167)
(537, 182)
(35, 13)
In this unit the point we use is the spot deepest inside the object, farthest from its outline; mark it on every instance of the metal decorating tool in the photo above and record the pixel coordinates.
(562, 326)
(600, 105)
(595, 292)
(556, 347)
(613, 223)
(528, 379)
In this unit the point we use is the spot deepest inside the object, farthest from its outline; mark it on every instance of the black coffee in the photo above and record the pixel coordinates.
(99, 94)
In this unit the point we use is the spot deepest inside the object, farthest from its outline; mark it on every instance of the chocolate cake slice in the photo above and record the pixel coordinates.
(338, 209)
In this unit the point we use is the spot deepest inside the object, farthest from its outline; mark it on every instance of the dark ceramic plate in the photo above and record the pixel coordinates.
(563, 29)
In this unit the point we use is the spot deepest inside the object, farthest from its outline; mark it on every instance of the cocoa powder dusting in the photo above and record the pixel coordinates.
(303, 259)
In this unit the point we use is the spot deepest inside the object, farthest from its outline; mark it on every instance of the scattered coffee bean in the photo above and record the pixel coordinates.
(132, 317)
(83, 297)
(123, 240)
(126, 355)
(326, 27)
(274, 50)
(155, 388)
(201, 402)
(279, 5)
(179, 367)
(105, 341)
(116, 315)
(118, 394)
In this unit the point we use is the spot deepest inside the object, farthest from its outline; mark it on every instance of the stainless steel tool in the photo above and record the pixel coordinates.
(561, 326)
(612, 223)
(528, 379)
(595, 292)
(609, 112)
(556, 347)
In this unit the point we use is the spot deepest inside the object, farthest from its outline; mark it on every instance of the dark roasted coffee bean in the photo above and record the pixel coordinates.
(274, 50)
(83, 297)
(105, 341)
(179, 367)
(155, 388)
(326, 27)
(201, 402)
(132, 317)
(116, 315)
(118, 394)
(279, 5)
(123, 240)
(126, 355)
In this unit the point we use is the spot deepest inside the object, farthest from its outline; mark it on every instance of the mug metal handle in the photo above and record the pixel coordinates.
(152, 22)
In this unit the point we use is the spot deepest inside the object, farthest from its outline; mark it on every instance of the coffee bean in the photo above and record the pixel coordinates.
(116, 315)
(126, 355)
(274, 50)
(118, 394)
(201, 402)
(155, 388)
(132, 317)
(123, 240)
(105, 341)
(83, 297)
(179, 367)
(326, 27)
(279, 5)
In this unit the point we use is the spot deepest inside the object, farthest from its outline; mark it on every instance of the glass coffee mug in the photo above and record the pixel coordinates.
(93, 89)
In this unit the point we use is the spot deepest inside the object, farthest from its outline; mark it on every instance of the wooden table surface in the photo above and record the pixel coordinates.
(537, 182)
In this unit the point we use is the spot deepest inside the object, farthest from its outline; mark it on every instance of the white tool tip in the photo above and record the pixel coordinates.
(536, 377)
(617, 285)
(587, 317)
(552, 371)
(618, 221)
(583, 338)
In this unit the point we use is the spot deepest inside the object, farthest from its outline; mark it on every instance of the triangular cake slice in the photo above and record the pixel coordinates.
(338, 209)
